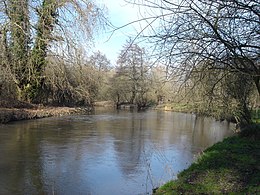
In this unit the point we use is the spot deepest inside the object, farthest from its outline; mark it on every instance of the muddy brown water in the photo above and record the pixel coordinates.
(108, 152)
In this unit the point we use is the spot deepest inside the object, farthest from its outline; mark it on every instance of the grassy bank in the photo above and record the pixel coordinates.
(231, 166)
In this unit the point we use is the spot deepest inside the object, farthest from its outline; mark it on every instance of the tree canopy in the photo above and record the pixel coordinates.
(130, 83)
(199, 36)
(30, 30)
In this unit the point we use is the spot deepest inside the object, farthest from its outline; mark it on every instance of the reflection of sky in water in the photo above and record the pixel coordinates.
(107, 153)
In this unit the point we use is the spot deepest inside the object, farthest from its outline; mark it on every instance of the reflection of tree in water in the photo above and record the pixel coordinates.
(39, 155)
(129, 151)
(21, 168)
(207, 131)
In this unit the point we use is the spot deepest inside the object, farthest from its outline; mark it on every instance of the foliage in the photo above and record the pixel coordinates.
(256, 116)
(70, 82)
(251, 131)
(161, 89)
(221, 94)
(7, 85)
(131, 81)
(103, 73)
(209, 37)
(30, 30)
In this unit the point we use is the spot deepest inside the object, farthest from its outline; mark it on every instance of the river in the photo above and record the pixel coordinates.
(108, 152)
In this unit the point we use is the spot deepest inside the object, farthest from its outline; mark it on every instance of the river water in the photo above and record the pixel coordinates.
(109, 152)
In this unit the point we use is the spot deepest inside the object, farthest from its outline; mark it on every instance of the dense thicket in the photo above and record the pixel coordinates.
(34, 35)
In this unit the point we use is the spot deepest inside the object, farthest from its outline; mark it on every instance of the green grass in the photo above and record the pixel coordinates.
(228, 167)
(256, 116)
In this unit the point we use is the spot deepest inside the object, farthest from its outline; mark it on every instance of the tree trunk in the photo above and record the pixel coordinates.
(18, 13)
(47, 19)
(257, 84)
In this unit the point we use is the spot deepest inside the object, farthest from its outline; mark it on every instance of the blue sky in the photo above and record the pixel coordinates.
(120, 13)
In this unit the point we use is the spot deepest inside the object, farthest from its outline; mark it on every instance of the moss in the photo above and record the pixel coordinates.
(231, 167)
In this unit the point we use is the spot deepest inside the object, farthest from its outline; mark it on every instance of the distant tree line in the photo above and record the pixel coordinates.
(207, 55)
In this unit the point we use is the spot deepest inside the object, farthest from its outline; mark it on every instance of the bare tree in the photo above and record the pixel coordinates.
(221, 35)
(70, 81)
(102, 66)
(133, 65)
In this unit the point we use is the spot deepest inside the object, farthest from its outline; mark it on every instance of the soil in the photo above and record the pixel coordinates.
(15, 111)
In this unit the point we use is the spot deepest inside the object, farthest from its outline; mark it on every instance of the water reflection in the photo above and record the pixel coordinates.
(105, 153)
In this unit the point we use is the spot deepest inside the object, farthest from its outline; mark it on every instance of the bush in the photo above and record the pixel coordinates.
(252, 131)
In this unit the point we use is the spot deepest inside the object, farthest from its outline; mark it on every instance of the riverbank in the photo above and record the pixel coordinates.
(24, 111)
(176, 107)
(230, 166)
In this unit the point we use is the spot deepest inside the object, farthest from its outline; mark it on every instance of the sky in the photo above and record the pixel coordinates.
(119, 13)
